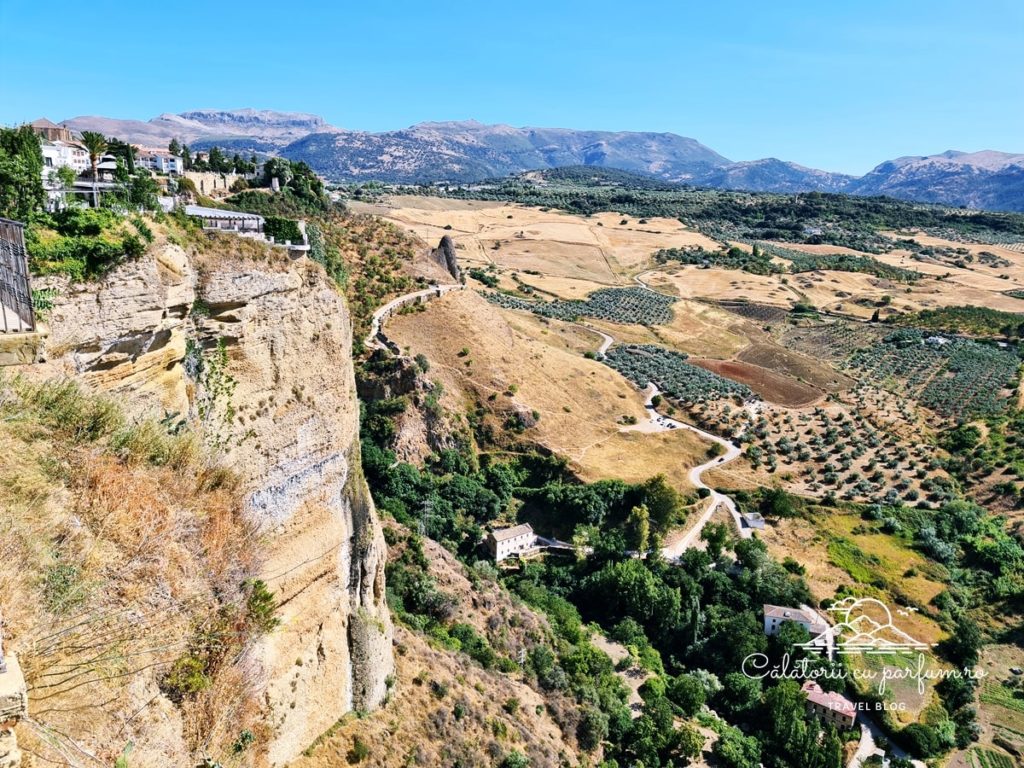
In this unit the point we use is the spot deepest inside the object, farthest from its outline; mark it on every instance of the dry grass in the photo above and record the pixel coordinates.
(599, 248)
(118, 542)
(582, 403)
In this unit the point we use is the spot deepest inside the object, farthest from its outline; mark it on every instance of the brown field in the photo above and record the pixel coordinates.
(798, 366)
(599, 248)
(582, 403)
(695, 328)
(849, 293)
(692, 282)
(769, 385)
(583, 261)
(627, 455)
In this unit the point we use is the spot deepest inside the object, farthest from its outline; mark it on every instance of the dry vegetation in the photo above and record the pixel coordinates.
(122, 553)
(518, 363)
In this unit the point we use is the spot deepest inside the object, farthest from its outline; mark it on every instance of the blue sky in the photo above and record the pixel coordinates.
(833, 84)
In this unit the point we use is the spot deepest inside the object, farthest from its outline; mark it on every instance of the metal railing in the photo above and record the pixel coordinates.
(15, 285)
(3, 661)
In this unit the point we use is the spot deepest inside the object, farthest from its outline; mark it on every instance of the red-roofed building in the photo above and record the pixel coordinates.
(829, 707)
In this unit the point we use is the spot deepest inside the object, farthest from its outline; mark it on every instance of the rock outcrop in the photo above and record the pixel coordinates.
(126, 334)
(292, 435)
(423, 427)
(297, 445)
(445, 256)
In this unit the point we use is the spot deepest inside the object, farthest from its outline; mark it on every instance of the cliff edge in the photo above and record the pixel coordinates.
(256, 349)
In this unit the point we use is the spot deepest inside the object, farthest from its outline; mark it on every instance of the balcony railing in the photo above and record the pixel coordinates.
(15, 285)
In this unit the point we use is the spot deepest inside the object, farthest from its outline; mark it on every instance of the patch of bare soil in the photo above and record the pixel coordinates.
(771, 386)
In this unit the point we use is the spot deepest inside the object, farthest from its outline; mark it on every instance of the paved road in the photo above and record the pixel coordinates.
(383, 313)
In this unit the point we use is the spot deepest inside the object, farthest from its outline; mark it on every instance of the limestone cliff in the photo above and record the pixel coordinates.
(297, 444)
(126, 334)
(293, 436)
(446, 257)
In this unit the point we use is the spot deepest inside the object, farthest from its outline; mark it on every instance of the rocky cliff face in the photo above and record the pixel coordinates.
(423, 427)
(445, 256)
(293, 437)
(126, 334)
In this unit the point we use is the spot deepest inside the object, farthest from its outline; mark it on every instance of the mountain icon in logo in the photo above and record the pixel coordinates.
(865, 626)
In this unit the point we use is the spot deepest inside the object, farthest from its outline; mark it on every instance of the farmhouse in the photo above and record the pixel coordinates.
(828, 706)
(505, 542)
(775, 615)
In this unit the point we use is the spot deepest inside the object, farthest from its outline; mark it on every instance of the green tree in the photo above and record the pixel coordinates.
(123, 151)
(174, 148)
(663, 502)
(639, 527)
(21, 173)
(716, 535)
(687, 693)
(740, 694)
(66, 176)
(734, 750)
(685, 743)
(95, 144)
(592, 729)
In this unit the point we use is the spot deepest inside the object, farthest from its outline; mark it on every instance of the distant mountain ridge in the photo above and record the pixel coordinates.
(467, 151)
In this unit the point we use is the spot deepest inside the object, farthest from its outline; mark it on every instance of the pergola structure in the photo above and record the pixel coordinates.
(226, 221)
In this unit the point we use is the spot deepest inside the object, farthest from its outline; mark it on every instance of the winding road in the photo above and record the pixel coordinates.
(658, 423)
(870, 731)
(376, 338)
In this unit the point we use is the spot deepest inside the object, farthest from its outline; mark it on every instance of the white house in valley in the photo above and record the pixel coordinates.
(776, 615)
(506, 542)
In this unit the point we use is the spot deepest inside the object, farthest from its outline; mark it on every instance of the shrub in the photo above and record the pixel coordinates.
(359, 752)
(515, 759)
(186, 677)
(260, 606)
(282, 229)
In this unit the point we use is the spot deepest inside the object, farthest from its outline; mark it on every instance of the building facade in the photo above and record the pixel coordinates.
(506, 542)
(49, 130)
(829, 707)
(776, 615)
(64, 154)
(159, 161)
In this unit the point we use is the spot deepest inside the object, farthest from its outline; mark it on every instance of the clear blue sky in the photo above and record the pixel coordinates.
(834, 84)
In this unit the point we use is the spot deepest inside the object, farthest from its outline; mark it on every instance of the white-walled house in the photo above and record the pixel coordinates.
(63, 154)
(506, 542)
(159, 160)
(776, 615)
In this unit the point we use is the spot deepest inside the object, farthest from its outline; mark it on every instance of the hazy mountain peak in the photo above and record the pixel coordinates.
(469, 150)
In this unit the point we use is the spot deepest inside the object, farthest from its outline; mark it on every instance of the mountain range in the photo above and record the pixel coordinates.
(467, 151)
